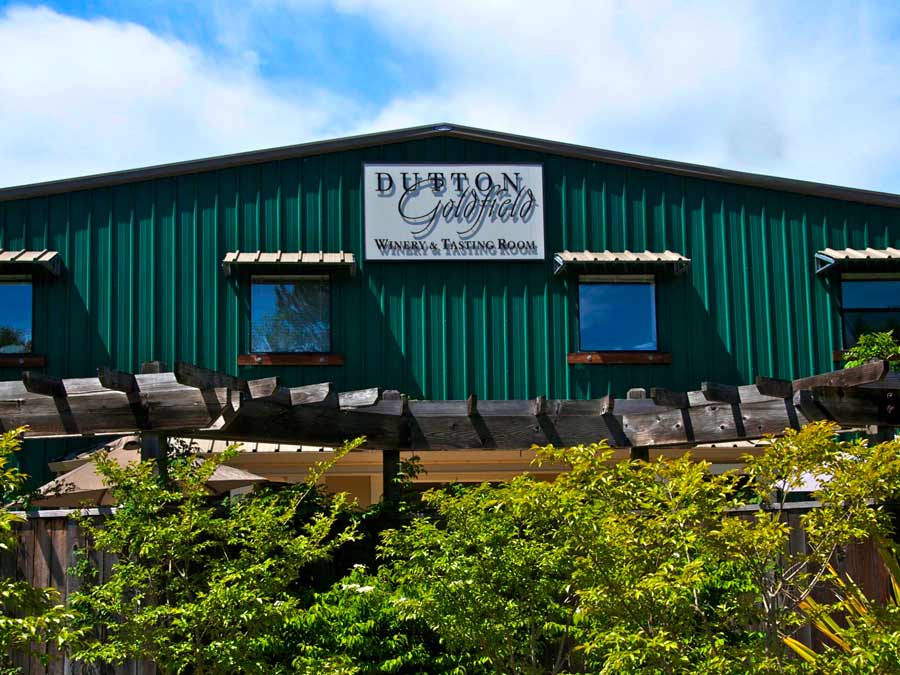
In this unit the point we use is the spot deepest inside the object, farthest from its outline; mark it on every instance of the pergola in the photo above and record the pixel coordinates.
(199, 403)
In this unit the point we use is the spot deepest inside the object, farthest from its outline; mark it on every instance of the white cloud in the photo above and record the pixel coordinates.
(807, 92)
(80, 97)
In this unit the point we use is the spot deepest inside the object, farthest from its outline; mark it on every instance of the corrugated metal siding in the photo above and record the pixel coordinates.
(142, 277)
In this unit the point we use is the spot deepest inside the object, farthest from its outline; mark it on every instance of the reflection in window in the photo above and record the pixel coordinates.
(15, 316)
(290, 314)
(617, 316)
(870, 306)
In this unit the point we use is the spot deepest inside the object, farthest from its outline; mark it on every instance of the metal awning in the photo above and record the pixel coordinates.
(282, 261)
(619, 260)
(21, 261)
(831, 259)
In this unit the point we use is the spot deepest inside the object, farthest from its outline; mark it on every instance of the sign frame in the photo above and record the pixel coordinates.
(448, 259)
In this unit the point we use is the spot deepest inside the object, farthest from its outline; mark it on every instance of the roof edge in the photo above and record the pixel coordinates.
(361, 141)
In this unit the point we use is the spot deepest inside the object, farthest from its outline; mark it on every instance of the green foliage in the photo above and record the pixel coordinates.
(618, 567)
(30, 615)
(357, 627)
(863, 636)
(201, 585)
(873, 346)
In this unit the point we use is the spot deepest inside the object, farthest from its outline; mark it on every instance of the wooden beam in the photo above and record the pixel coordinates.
(669, 399)
(859, 406)
(45, 385)
(607, 405)
(472, 405)
(720, 393)
(202, 378)
(770, 386)
(117, 380)
(312, 394)
(359, 398)
(153, 368)
(873, 371)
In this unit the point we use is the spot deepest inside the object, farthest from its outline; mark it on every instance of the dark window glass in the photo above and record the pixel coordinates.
(871, 294)
(290, 315)
(870, 306)
(617, 316)
(859, 323)
(15, 317)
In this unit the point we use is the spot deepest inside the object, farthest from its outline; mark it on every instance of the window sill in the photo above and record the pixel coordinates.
(290, 360)
(22, 361)
(619, 358)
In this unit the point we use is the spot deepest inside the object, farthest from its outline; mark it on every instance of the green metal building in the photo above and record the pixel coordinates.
(762, 276)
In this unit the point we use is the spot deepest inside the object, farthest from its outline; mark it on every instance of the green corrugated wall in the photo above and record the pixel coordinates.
(143, 277)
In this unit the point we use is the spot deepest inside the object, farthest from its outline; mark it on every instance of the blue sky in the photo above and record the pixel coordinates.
(807, 90)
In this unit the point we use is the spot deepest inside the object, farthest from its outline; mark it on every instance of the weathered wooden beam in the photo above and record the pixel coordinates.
(45, 385)
(770, 386)
(359, 398)
(858, 406)
(117, 380)
(312, 395)
(669, 399)
(202, 378)
(153, 367)
(607, 405)
(870, 372)
(721, 393)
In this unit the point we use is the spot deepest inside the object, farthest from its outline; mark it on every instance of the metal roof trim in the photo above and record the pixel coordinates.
(339, 260)
(625, 258)
(45, 259)
(831, 258)
(454, 131)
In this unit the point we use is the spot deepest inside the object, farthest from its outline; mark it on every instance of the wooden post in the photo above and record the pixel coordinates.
(390, 468)
(155, 446)
(640, 453)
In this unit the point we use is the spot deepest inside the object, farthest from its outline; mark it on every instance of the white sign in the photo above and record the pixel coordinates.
(454, 211)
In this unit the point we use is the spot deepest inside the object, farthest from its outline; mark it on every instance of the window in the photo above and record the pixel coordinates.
(15, 315)
(870, 305)
(290, 314)
(617, 314)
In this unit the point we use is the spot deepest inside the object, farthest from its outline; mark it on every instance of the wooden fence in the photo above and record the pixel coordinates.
(48, 542)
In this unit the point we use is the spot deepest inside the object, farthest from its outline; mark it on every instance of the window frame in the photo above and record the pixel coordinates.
(618, 279)
(862, 276)
(270, 278)
(7, 278)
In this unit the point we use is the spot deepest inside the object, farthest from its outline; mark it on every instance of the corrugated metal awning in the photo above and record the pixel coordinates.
(619, 259)
(281, 260)
(830, 259)
(22, 260)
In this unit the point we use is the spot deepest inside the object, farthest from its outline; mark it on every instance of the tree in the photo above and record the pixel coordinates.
(634, 567)
(874, 346)
(202, 585)
(31, 616)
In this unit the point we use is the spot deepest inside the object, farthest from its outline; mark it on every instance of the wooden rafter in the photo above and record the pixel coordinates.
(197, 402)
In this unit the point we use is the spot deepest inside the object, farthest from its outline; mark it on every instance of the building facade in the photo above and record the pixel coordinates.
(615, 271)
